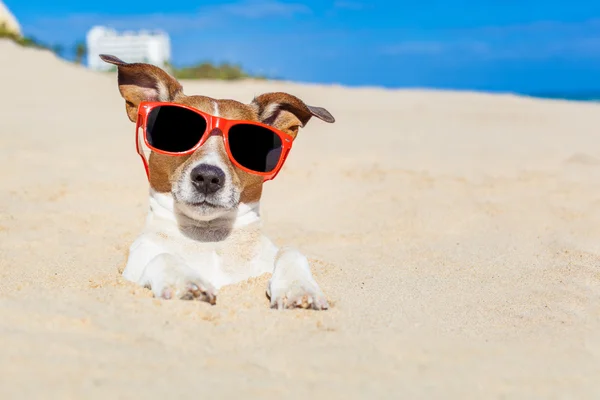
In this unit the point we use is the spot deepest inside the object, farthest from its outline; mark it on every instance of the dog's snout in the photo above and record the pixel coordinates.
(207, 178)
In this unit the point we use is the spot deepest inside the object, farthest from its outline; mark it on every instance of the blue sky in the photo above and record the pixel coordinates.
(503, 45)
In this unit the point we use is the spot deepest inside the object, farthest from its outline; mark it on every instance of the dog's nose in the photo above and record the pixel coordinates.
(208, 178)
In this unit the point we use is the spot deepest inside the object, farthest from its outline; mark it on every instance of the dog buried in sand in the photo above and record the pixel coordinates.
(208, 160)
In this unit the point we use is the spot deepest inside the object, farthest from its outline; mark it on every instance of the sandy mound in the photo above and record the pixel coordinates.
(456, 234)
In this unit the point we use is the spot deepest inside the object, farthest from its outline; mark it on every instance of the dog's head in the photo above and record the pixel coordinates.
(206, 184)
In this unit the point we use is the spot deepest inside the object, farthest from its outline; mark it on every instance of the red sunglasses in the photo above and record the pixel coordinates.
(178, 130)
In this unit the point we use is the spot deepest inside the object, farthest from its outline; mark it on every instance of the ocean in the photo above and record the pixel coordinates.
(575, 96)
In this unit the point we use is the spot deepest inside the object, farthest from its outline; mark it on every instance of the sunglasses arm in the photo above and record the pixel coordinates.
(138, 144)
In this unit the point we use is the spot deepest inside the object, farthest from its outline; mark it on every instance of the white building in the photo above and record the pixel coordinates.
(8, 20)
(143, 46)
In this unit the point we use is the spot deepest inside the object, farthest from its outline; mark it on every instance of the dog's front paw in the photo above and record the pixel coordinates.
(169, 278)
(186, 289)
(297, 294)
(292, 284)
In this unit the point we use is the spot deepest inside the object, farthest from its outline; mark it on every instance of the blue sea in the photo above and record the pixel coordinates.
(575, 96)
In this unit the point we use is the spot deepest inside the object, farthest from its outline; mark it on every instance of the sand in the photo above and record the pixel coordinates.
(457, 236)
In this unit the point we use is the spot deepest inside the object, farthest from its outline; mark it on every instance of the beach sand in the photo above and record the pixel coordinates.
(457, 236)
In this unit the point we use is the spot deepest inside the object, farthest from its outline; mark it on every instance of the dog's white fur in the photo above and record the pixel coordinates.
(196, 241)
(173, 258)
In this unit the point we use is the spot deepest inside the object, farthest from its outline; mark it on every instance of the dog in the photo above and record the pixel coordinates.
(203, 228)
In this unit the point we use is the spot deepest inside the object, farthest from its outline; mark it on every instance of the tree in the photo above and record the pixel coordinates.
(208, 70)
(80, 52)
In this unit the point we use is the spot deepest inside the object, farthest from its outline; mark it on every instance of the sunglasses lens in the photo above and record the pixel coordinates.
(255, 147)
(174, 129)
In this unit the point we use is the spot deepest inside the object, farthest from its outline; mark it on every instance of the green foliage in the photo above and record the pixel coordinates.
(208, 70)
(80, 52)
(20, 40)
(205, 70)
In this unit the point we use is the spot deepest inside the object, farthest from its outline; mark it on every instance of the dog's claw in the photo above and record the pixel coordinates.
(199, 292)
(211, 299)
(187, 296)
(194, 289)
(315, 301)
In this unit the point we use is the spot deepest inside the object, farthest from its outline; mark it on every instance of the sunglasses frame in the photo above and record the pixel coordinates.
(212, 122)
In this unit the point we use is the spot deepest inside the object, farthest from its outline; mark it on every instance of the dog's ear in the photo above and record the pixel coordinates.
(286, 112)
(142, 82)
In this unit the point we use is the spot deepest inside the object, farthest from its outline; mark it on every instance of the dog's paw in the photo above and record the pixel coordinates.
(186, 289)
(297, 295)
(168, 278)
(292, 284)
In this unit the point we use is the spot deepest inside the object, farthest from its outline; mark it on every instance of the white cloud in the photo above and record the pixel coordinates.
(553, 27)
(175, 22)
(532, 41)
(434, 48)
(263, 9)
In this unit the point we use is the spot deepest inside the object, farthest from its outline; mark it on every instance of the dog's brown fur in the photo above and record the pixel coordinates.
(189, 248)
(143, 82)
